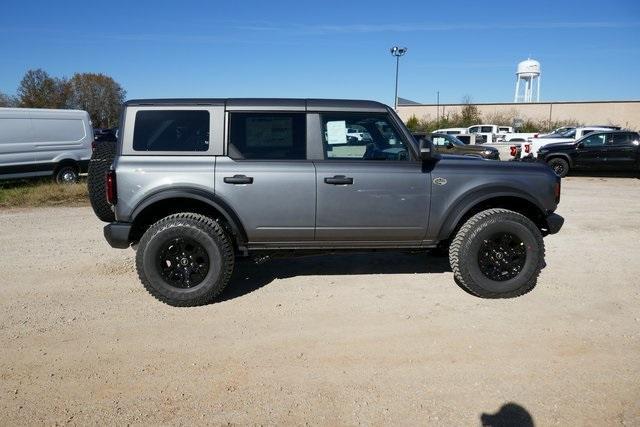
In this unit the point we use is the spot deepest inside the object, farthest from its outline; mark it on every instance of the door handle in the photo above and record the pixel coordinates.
(339, 180)
(238, 179)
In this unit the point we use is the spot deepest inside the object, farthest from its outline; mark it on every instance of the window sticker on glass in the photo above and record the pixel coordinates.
(269, 132)
(337, 132)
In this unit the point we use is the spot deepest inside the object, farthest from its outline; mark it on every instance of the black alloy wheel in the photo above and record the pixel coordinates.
(183, 262)
(502, 256)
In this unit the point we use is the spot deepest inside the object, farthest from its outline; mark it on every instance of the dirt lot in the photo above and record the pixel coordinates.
(378, 339)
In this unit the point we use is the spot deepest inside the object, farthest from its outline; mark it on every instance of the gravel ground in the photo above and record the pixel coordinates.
(333, 340)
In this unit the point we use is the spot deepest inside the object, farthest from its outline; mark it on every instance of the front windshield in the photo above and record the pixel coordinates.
(569, 133)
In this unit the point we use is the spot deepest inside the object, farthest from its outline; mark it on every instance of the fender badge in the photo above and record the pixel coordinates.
(439, 181)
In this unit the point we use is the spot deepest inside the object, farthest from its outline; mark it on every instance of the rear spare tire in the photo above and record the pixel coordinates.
(497, 253)
(185, 259)
(101, 160)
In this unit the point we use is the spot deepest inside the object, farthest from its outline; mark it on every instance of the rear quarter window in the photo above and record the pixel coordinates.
(171, 130)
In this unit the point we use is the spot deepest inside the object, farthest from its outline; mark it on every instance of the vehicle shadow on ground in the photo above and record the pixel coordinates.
(604, 174)
(510, 414)
(249, 276)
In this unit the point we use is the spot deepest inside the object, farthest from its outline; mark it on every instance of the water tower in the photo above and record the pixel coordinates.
(529, 74)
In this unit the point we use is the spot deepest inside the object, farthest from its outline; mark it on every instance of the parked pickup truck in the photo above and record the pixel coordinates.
(496, 133)
(607, 151)
(570, 135)
(194, 184)
(450, 144)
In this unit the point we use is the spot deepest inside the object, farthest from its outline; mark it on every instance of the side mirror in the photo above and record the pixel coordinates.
(425, 149)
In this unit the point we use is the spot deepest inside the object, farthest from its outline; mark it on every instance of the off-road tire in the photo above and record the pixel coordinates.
(206, 232)
(101, 160)
(560, 166)
(465, 247)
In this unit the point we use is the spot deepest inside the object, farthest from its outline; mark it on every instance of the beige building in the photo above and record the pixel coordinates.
(620, 113)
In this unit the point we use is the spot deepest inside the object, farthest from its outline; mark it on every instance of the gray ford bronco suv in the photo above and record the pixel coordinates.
(194, 184)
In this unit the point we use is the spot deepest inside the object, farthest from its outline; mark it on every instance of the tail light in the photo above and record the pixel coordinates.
(536, 135)
(513, 151)
(527, 148)
(112, 191)
(557, 191)
(93, 145)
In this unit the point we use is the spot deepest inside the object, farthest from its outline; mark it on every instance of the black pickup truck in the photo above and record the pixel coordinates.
(450, 144)
(615, 151)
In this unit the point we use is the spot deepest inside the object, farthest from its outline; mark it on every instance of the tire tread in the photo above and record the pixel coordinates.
(203, 223)
(465, 235)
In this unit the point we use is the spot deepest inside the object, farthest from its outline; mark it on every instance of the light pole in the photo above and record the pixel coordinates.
(397, 52)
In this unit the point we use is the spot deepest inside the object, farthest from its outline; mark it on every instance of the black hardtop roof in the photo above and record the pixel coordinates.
(267, 103)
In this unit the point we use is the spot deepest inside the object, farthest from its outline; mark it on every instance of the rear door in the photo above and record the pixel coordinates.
(369, 191)
(266, 177)
(590, 152)
(622, 151)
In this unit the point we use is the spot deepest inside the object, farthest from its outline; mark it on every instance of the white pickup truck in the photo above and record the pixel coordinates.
(495, 133)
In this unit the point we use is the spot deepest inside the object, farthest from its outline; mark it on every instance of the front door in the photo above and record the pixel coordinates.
(266, 178)
(371, 188)
(590, 152)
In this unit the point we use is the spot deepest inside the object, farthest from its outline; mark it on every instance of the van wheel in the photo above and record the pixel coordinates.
(560, 166)
(497, 254)
(66, 174)
(185, 259)
(99, 165)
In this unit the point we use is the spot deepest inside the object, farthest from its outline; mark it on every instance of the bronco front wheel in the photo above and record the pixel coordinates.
(185, 259)
(497, 253)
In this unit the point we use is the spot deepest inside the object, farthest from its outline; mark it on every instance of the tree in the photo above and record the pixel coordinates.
(8, 100)
(413, 123)
(99, 95)
(39, 90)
(469, 113)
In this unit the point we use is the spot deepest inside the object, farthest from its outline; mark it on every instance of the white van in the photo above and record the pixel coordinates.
(40, 142)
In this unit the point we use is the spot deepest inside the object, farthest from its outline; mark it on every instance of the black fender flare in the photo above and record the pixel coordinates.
(469, 200)
(203, 196)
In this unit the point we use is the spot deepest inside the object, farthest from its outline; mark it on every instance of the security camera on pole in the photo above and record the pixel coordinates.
(397, 52)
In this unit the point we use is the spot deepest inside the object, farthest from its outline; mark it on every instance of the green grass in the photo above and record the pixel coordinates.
(42, 192)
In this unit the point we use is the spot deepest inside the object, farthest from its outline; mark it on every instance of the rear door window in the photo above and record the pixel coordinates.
(621, 139)
(267, 136)
(171, 130)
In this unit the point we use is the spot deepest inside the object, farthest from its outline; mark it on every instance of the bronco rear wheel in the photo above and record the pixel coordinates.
(497, 253)
(185, 259)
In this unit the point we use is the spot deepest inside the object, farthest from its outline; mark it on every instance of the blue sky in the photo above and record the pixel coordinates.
(589, 50)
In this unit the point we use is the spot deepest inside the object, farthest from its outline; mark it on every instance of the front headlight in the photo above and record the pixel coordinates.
(488, 152)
